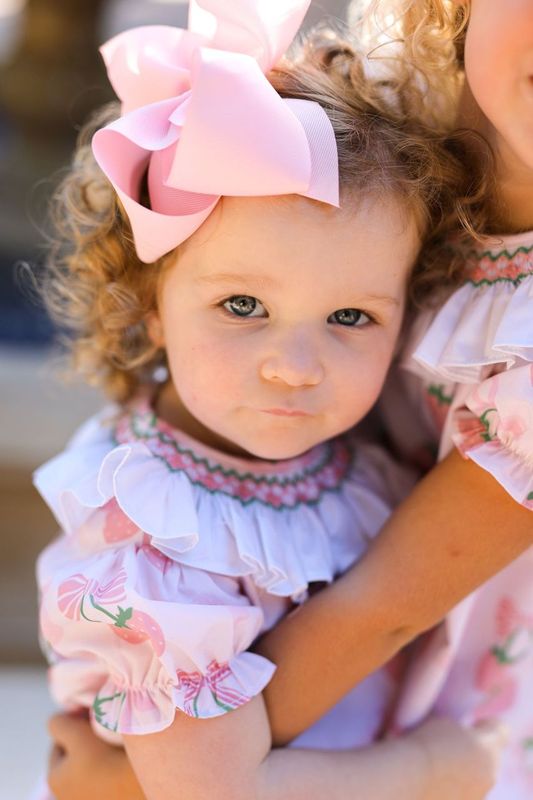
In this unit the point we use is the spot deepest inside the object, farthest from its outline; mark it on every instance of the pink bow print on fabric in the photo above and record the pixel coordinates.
(215, 680)
(200, 120)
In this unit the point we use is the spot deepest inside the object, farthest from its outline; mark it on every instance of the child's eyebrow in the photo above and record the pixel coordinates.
(241, 278)
(383, 298)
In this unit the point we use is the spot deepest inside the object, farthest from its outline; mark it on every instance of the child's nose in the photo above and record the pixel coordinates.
(294, 361)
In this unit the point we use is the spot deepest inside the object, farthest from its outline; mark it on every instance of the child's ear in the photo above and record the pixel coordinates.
(155, 329)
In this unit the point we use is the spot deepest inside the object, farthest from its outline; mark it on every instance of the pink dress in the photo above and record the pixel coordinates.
(470, 371)
(174, 558)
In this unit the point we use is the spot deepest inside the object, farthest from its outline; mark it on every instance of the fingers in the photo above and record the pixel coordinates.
(68, 732)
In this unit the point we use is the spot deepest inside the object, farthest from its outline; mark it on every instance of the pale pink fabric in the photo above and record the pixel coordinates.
(174, 558)
(471, 377)
(202, 120)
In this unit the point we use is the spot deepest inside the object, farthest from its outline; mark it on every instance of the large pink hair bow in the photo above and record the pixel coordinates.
(201, 120)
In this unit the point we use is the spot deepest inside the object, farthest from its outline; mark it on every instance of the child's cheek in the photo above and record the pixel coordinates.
(210, 370)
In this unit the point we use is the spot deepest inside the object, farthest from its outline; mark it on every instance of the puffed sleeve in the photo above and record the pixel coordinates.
(130, 632)
(134, 636)
(494, 428)
(480, 342)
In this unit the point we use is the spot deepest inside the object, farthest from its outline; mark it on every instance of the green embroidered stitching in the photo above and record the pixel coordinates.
(490, 282)
(249, 475)
(530, 496)
(487, 437)
(437, 391)
(495, 256)
(228, 473)
(282, 507)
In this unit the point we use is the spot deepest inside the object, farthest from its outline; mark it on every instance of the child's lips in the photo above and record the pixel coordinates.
(286, 412)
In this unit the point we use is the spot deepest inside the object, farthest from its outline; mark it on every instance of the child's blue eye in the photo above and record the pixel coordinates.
(349, 317)
(244, 306)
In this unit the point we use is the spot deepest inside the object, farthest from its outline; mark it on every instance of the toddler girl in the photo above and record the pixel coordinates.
(196, 513)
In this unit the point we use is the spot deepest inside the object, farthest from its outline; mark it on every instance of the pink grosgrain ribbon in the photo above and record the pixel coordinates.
(200, 118)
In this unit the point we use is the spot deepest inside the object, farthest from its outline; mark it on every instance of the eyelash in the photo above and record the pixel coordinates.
(370, 318)
(240, 297)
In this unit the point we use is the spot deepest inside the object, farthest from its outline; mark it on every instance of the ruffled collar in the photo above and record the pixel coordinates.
(126, 475)
(278, 484)
(484, 324)
(503, 258)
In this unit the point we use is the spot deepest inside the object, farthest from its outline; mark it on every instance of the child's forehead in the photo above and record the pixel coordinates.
(290, 241)
(246, 222)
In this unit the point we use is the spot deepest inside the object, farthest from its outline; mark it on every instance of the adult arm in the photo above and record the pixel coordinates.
(457, 529)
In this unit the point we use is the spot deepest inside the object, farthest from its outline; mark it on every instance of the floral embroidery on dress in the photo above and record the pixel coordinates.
(302, 480)
(492, 267)
(224, 696)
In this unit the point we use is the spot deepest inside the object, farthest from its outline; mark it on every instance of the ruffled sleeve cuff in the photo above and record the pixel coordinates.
(494, 428)
(137, 636)
(121, 708)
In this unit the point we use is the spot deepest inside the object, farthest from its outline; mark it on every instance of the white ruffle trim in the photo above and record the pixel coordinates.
(283, 550)
(119, 707)
(511, 472)
(478, 326)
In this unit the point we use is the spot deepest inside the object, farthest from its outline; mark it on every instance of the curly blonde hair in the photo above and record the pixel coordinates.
(425, 40)
(100, 293)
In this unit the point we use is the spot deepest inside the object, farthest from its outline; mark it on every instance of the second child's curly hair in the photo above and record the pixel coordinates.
(425, 40)
(100, 293)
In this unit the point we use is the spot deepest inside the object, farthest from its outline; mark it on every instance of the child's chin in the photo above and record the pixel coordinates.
(280, 451)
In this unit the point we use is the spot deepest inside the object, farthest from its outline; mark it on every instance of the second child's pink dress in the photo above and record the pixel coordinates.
(470, 374)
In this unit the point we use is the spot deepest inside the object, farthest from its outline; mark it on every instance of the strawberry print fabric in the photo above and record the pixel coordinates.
(174, 557)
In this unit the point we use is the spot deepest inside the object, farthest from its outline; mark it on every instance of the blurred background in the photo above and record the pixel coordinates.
(51, 77)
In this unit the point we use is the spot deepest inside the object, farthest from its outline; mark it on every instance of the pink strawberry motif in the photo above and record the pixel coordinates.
(508, 617)
(117, 526)
(135, 627)
(515, 627)
(155, 557)
(499, 701)
(492, 671)
(438, 403)
(470, 431)
(494, 678)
